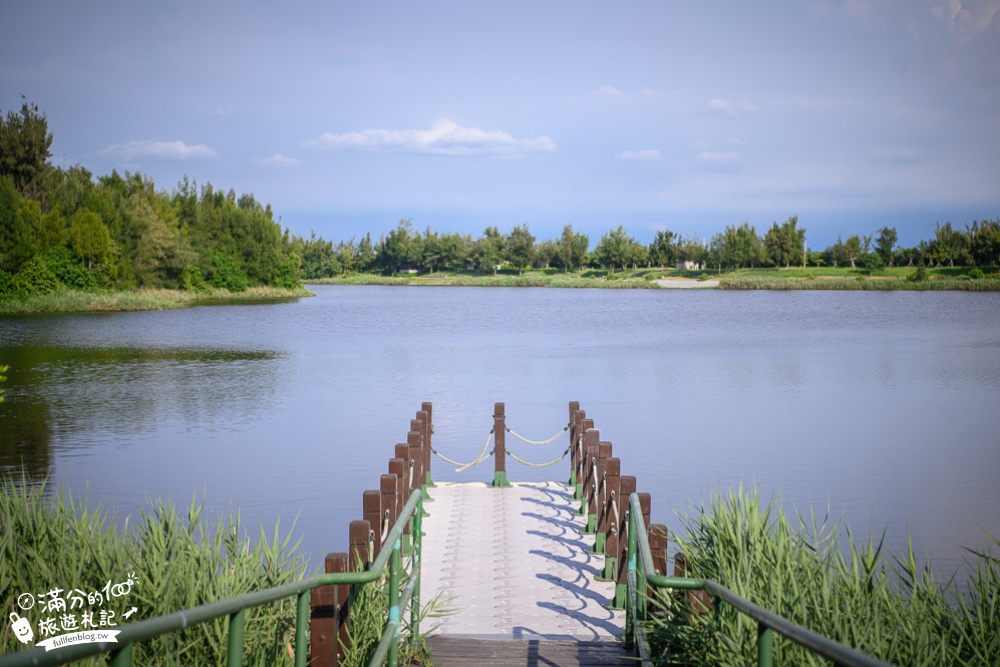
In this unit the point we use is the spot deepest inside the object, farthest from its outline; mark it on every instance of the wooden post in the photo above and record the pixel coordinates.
(413, 440)
(499, 446)
(397, 467)
(389, 504)
(372, 505)
(699, 600)
(573, 407)
(417, 433)
(612, 507)
(581, 446)
(414, 483)
(427, 409)
(658, 547)
(601, 528)
(626, 488)
(328, 616)
(359, 534)
(591, 450)
(646, 503)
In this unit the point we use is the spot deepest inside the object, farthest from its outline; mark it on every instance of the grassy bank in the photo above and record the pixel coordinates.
(69, 300)
(855, 592)
(175, 562)
(826, 278)
(532, 278)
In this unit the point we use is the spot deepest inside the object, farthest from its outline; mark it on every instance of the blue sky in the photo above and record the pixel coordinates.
(347, 117)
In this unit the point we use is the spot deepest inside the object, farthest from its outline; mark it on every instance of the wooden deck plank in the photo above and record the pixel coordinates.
(512, 563)
(465, 652)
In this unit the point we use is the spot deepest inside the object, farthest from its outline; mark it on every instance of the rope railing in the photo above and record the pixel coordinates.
(483, 455)
(536, 442)
(537, 465)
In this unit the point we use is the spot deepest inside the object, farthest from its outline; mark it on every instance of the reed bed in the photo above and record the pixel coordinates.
(856, 592)
(71, 300)
(531, 280)
(59, 541)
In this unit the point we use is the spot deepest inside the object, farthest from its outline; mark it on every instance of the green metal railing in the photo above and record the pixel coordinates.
(235, 608)
(642, 573)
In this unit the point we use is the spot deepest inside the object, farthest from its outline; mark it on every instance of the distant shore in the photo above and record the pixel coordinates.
(823, 278)
(943, 279)
(74, 301)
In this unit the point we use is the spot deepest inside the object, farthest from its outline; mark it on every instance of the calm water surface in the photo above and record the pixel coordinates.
(882, 408)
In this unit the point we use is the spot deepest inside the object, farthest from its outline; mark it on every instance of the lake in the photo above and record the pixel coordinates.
(882, 409)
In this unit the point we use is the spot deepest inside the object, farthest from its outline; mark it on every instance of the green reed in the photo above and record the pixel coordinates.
(854, 591)
(177, 562)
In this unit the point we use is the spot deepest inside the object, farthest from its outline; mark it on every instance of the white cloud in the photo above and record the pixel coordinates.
(279, 160)
(648, 154)
(444, 138)
(158, 150)
(609, 91)
(713, 157)
(968, 16)
(731, 108)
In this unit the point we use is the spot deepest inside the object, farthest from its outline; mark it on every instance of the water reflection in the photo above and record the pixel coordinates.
(880, 406)
(63, 399)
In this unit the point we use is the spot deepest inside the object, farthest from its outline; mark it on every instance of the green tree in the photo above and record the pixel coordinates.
(663, 249)
(783, 244)
(289, 272)
(455, 251)
(18, 227)
(852, 249)
(90, 237)
(984, 242)
(737, 246)
(490, 250)
(24, 146)
(366, 254)
(572, 249)
(520, 248)
(885, 243)
(395, 249)
(227, 274)
(547, 253)
(617, 249)
(692, 249)
(53, 232)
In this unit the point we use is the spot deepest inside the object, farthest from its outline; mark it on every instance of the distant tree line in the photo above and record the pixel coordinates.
(64, 228)
(783, 245)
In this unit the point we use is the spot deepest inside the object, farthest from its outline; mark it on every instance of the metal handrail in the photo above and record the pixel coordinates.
(235, 607)
(641, 572)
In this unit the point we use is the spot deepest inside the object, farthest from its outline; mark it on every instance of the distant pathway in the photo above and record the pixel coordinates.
(682, 283)
(511, 564)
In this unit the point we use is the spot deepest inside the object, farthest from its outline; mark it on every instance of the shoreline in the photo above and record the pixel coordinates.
(77, 301)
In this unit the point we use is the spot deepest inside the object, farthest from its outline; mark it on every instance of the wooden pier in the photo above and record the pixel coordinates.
(512, 564)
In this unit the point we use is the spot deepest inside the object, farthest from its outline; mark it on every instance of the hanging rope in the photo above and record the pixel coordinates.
(536, 442)
(371, 546)
(483, 455)
(614, 510)
(537, 465)
(385, 527)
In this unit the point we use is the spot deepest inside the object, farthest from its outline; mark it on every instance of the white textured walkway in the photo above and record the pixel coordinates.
(511, 563)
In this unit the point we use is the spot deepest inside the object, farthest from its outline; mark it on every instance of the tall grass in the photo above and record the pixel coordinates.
(59, 541)
(853, 591)
(71, 300)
